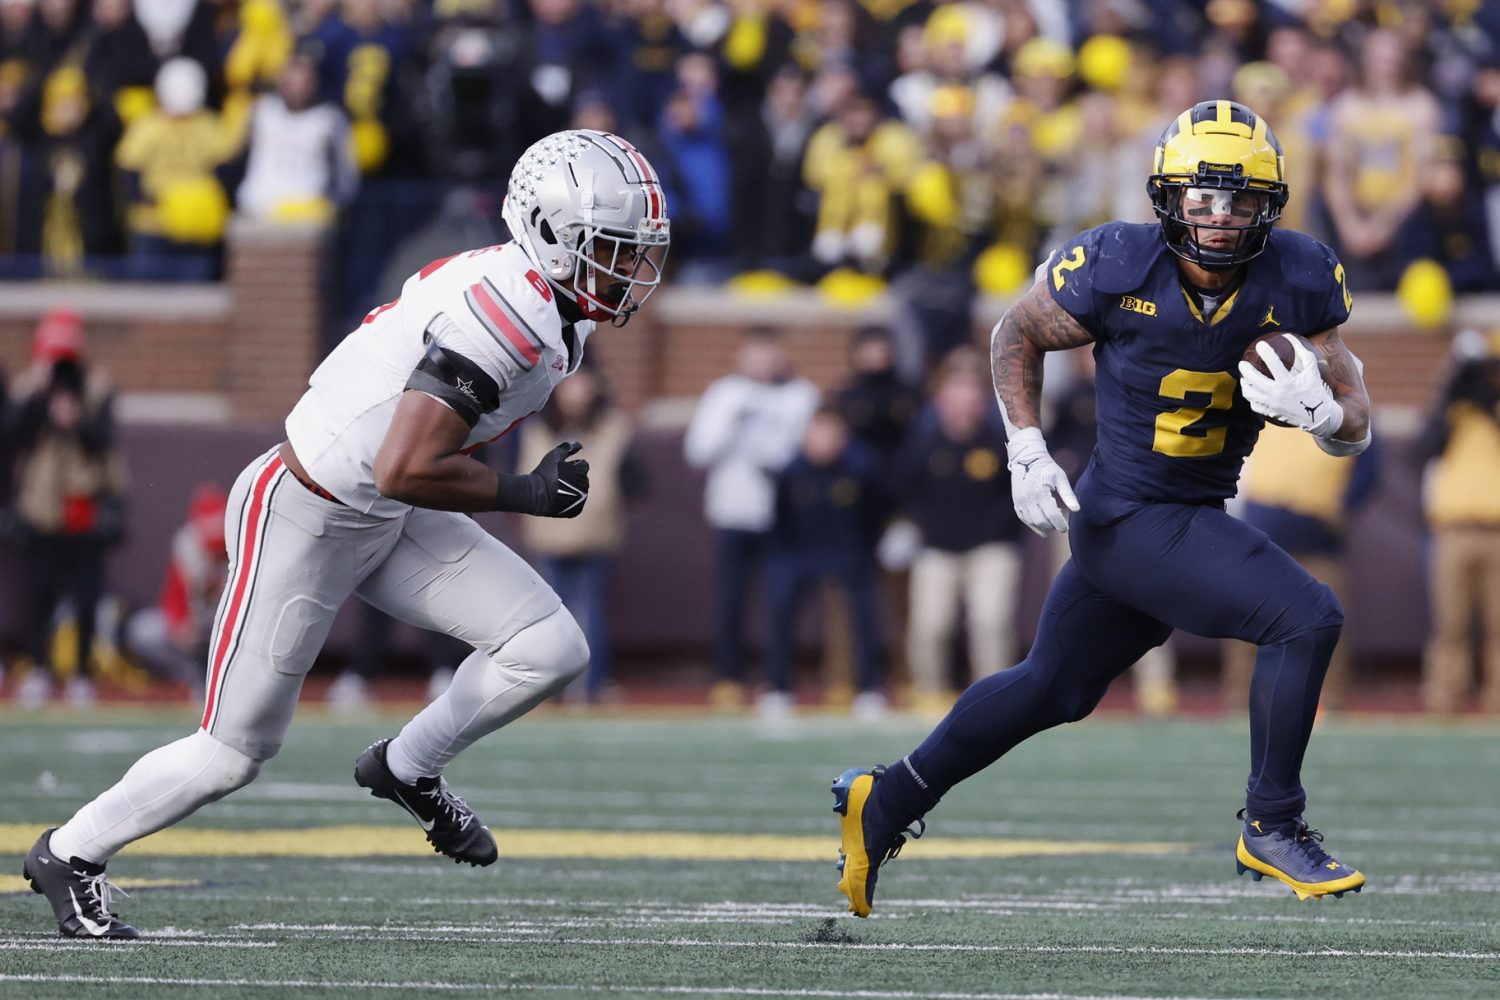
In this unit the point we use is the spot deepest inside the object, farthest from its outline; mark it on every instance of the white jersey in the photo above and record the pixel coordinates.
(489, 305)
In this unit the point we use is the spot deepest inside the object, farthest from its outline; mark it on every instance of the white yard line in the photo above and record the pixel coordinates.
(574, 988)
(377, 932)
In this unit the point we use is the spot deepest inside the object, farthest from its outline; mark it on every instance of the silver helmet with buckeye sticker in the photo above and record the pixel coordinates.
(589, 211)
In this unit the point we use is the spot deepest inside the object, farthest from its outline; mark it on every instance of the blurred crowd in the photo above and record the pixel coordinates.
(798, 139)
(881, 506)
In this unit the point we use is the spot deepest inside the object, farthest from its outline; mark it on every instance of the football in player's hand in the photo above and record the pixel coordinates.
(1282, 345)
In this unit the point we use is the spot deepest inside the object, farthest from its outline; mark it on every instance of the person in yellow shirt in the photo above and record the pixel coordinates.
(177, 210)
(858, 164)
(1461, 441)
(1302, 498)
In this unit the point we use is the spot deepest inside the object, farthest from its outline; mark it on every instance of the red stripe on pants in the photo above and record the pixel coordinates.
(240, 583)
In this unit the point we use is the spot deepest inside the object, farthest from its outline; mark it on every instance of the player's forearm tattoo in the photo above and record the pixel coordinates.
(1348, 385)
(1034, 325)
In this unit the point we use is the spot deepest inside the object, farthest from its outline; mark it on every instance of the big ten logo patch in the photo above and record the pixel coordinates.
(1132, 304)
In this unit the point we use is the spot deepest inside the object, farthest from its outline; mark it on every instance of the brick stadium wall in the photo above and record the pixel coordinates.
(251, 340)
(247, 342)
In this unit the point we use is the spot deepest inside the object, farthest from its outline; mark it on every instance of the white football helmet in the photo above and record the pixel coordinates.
(589, 211)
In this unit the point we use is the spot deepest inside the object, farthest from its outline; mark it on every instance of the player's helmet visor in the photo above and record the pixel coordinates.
(1218, 160)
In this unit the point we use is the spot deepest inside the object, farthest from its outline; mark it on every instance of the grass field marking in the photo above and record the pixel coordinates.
(612, 990)
(402, 841)
(360, 932)
(11, 884)
(56, 942)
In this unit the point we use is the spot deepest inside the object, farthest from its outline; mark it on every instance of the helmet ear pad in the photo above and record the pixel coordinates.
(558, 264)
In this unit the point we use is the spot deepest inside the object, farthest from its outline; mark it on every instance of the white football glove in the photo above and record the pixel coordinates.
(1038, 485)
(1295, 395)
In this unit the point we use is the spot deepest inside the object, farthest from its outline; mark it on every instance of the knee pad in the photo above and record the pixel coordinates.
(224, 768)
(554, 649)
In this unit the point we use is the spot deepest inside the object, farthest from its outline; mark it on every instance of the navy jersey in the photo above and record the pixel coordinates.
(1172, 423)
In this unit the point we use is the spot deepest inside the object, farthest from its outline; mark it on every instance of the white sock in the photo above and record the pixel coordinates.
(488, 692)
(166, 785)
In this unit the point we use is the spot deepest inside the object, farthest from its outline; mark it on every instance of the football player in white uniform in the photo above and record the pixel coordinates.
(364, 497)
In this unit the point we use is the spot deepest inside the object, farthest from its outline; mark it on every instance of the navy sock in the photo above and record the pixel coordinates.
(1283, 705)
(902, 796)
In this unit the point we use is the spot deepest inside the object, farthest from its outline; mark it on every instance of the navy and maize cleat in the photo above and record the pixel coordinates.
(1292, 853)
(866, 840)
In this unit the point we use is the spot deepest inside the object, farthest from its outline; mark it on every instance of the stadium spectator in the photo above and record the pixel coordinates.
(950, 201)
(118, 59)
(879, 405)
(171, 638)
(951, 481)
(564, 50)
(1461, 441)
(1449, 224)
(470, 115)
(857, 165)
(1302, 499)
(364, 58)
(301, 167)
(694, 166)
(1484, 137)
(577, 558)
(943, 65)
(70, 495)
(66, 216)
(746, 428)
(648, 75)
(177, 210)
(769, 208)
(830, 506)
(1379, 150)
(52, 32)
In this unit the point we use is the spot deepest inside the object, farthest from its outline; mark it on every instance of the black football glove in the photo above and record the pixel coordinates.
(564, 481)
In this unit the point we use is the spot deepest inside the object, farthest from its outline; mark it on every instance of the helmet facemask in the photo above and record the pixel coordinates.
(1184, 203)
(614, 273)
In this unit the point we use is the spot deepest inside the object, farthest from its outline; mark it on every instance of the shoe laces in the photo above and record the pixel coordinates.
(99, 891)
(455, 808)
(1309, 842)
(914, 831)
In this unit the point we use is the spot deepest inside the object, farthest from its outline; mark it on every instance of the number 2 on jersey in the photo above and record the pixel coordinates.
(1171, 427)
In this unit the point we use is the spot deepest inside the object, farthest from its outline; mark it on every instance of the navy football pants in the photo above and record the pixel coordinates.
(1129, 584)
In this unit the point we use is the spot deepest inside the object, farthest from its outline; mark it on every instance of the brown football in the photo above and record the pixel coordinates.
(1283, 349)
(1280, 345)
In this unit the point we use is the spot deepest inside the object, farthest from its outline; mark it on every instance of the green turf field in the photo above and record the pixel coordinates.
(673, 856)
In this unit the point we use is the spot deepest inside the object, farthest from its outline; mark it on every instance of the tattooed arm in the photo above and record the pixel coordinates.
(1033, 326)
(1347, 379)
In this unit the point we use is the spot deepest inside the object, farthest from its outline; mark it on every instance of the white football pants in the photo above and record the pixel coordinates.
(294, 558)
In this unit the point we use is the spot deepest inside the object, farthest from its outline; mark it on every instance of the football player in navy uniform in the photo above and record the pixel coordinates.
(1170, 310)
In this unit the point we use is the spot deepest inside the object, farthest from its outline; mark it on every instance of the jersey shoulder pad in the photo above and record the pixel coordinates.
(1314, 273)
(1109, 260)
(1126, 253)
(516, 312)
(1306, 264)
